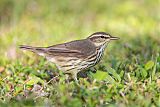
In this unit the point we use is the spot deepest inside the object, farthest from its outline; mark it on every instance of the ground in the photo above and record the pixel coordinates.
(128, 75)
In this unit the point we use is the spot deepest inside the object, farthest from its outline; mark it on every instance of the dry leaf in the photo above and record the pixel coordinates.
(1, 69)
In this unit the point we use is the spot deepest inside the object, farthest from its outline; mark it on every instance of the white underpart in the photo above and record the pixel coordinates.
(41, 54)
(100, 53)
(73, 62)
(53, 60)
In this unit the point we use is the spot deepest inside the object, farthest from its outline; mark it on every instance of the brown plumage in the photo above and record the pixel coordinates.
(75, 56)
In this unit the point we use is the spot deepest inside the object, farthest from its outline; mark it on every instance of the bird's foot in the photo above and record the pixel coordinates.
(82, 74)
(93, 70)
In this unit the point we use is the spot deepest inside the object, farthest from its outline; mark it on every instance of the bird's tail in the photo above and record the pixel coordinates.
(25, 47)
(38, 50)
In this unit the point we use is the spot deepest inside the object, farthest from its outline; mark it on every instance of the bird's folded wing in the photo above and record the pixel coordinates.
(79, 49)
(64, 52)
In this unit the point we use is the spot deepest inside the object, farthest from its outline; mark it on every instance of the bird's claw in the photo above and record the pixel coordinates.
(93, 70)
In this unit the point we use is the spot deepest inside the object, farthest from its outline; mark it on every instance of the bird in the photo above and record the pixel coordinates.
(75, 56)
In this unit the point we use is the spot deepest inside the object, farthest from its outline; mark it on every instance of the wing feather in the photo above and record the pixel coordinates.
(80, 48)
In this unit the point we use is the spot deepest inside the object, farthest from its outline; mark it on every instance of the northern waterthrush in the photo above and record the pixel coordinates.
(75, 56)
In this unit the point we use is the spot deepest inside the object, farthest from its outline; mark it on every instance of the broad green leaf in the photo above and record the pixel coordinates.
(109, 78)
(113, 72)
(34, 80)
(154, 70)
(121, 73)
(149, 65)
(158, 59)
(31, 82)
(143, 72)
(138, 73)
(100, 75)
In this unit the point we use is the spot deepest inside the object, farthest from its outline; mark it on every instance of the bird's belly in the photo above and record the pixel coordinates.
(99, 57)
(66, 65)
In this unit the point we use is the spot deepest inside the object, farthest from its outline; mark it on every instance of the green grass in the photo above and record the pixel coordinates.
(128, 75)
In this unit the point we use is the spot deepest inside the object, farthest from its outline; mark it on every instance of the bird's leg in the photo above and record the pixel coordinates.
(67, 78)
(82, 74)
(74, 76)
(93, 69)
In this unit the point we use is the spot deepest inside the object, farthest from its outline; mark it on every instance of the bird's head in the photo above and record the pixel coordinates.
(101, 38)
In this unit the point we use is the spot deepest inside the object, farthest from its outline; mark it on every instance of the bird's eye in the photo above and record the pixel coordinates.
(102, 37)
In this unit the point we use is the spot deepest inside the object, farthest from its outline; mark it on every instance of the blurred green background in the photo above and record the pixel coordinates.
(48, 22)
(40, 23)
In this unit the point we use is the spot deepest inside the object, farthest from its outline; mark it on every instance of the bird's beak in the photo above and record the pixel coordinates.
(114, 38)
